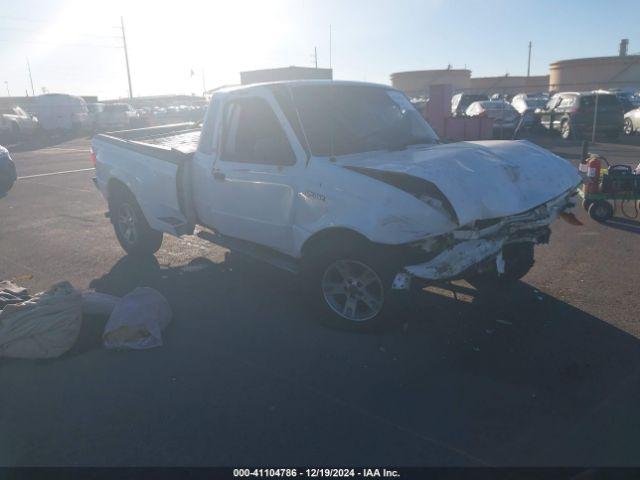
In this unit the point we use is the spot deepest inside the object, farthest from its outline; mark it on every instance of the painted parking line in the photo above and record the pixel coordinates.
(64, 149)
(55, 173)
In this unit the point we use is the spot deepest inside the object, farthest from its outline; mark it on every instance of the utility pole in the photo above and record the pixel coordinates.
(315, 55)
(6, 83)
(529, 61)
(330, 46)
(33, 92)
(204, 88)
(126, 56)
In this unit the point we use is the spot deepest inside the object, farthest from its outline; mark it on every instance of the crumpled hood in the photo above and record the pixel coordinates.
(481, 180)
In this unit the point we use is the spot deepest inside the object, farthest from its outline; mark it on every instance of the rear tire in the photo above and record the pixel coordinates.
(350, 283)
(132, 230)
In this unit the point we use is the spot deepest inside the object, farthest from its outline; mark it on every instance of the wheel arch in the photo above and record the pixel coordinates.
(115, 185)
(331, 235)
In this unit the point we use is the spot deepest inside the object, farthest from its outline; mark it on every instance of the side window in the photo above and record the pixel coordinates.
(567, 102)
(207, 135)
(253, 134)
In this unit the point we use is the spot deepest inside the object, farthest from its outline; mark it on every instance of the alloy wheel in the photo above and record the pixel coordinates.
(353, 290)
(126, 222)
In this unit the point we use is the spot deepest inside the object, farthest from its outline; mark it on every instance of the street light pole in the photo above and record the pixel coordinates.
(126, 56)
(33, 92)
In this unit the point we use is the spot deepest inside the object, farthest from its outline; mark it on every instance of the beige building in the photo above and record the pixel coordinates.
(509, 85)
(594, 73)
(417, 83)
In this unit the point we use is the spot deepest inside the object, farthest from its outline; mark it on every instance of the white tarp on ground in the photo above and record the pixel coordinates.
(45, 326)
(138, 320)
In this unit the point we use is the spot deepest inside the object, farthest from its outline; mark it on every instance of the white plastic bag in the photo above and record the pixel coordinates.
(45, 326)
(138, 320)
(96, 303)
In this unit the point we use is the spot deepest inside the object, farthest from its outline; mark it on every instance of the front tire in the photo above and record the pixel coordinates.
(518, 260)
(132, 230)
(351, 286)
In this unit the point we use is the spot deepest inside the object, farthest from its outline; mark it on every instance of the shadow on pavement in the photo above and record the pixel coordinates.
(507, 378)
(626, 224)
(43, 141)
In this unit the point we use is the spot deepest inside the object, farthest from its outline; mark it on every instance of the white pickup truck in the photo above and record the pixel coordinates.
(342, 182)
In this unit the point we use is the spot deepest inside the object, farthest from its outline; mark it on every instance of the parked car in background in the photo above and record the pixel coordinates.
(144, 117)
(572, 114)
(117, 116)
(7, 171)
(526, 105)
(632, 122)
(61, 112)
(94, 109)
(524, 102)
(461, 101)
(626, 98)
(15, 123)
(504, 116)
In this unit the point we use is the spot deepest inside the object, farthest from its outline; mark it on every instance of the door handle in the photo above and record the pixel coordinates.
(219, 176)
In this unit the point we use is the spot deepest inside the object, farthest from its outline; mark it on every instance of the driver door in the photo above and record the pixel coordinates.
(255, 174)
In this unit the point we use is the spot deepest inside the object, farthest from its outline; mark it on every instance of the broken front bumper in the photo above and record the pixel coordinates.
(471, 248)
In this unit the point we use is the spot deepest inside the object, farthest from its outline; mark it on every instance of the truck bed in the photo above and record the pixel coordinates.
(173, 143)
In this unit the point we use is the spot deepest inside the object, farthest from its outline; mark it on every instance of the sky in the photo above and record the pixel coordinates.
(174, 46)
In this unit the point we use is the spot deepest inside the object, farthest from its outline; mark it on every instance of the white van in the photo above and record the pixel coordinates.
(58, 111)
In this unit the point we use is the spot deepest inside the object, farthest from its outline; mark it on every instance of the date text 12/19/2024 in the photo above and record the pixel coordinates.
(315, 472)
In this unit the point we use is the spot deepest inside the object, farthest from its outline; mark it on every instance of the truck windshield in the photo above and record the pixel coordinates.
(346, 119)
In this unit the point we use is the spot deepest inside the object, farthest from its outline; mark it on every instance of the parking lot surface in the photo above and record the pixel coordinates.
(544, 374)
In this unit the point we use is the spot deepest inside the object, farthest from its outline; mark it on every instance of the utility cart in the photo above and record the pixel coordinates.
(603, 206)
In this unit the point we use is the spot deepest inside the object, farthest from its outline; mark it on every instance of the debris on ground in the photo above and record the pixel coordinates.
(11, 293)
(22, 278)
(96, 303)
(503, 322)
(137, 320)
(45, 325)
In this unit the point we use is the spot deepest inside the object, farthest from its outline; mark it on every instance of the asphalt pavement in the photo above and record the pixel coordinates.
(544, 374)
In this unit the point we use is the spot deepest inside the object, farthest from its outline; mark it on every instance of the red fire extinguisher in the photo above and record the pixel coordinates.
(593, 175)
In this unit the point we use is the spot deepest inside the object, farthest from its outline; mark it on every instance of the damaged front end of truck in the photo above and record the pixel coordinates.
(481, 246)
